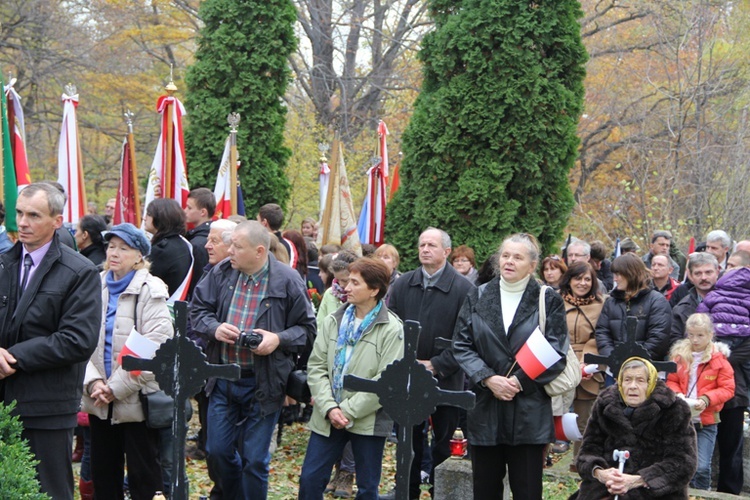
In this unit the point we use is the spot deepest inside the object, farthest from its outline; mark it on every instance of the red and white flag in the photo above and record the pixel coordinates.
(69, 164)
(223, 187)
(137, 346)
(566, 427)
(371, 225)
(536, 355)
(168, 175)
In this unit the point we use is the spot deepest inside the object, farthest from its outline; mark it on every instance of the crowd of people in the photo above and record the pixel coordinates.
(272, 302)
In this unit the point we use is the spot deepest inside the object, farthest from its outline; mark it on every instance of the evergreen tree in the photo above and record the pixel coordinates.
(493, 135)
(241, 66)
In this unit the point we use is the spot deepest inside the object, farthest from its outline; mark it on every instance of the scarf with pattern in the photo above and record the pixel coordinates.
(348, 337)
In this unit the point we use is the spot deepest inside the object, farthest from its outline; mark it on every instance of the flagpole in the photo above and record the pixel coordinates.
(171, 88)
(234, 121)
(334, 167)
(133, 166)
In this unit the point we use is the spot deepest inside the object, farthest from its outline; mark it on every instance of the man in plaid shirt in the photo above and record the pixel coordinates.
(249, 292)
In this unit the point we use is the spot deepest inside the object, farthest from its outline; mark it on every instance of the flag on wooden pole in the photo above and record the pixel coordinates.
(127, 201)
(17, 127)
(227, 188)
(7, 171)
(338, 221)
(168, 175)
(371, 227)
(69, 160)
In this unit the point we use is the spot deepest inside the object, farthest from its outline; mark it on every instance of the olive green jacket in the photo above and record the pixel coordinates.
(380, 345)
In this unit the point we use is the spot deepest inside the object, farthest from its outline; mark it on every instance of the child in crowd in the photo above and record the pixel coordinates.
(705, 379)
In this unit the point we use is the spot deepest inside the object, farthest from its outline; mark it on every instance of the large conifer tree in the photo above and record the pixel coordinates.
(241, 66)
(493, 135)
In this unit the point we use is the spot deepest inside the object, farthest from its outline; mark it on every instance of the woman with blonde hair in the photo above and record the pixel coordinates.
(705, 379)
(132, 299)
(388, 254)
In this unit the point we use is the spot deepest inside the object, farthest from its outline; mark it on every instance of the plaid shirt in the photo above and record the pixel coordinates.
(249, 292)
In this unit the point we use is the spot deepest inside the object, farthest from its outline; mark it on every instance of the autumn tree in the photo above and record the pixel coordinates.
(350, 59)
(665, 135)
(493, 135)
(241, 66)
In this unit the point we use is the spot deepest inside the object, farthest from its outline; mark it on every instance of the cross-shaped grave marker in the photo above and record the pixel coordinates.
(409, 394)
(180, 368)
(628, 349)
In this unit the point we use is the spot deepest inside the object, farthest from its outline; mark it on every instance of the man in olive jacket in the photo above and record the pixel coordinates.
(50, 314)
(433, 294)
(250, 292)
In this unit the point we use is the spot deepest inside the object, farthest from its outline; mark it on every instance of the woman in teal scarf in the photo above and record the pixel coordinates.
(361, 338)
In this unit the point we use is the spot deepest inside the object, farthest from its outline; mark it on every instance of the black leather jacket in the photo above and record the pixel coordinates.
(483, 349)
(52, 332)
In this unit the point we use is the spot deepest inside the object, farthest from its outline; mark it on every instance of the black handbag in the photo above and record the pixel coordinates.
(297, 388)
(158, 409)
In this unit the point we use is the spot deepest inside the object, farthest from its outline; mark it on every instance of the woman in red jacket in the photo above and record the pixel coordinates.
(705, 379)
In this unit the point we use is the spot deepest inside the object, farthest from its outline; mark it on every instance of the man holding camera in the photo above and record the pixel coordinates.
(255, 312)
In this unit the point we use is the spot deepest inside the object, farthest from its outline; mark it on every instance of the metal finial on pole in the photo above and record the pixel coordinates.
(171, 88)
(234, 120)
(323, 148)
(70, 89)
(129, 120)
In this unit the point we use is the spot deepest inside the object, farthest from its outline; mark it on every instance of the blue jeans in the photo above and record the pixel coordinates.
(238, 439)
(323, 451)
(706, 440)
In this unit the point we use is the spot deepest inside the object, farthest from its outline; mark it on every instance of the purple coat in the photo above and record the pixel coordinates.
(729, 304)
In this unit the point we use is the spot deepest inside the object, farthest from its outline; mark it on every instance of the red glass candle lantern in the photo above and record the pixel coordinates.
(458, 444)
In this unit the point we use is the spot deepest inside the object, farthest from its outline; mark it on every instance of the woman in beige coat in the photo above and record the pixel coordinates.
(583, 304)
(131, 297)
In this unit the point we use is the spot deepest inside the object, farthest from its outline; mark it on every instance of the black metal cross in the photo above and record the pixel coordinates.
(180, 368)
(628, 349)
(409, 394)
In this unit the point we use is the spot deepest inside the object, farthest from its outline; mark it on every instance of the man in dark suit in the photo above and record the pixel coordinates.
(433, 294)
(50, 316)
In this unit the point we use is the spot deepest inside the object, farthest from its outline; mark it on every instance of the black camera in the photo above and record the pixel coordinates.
(250, 340)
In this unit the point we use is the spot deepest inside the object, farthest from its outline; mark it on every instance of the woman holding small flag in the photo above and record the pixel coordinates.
(508, 360)
(136, 321)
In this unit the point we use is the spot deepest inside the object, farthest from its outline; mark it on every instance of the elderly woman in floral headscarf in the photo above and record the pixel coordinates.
(642, 416)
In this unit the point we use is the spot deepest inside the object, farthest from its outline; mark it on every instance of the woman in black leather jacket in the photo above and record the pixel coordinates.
(512, 420)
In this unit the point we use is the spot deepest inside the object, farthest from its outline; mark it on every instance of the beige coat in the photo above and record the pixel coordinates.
(154, 321)
(581, 326)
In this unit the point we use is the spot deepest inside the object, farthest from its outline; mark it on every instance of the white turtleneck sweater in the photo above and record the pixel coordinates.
(510, 297)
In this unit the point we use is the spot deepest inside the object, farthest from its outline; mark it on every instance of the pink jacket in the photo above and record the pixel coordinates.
(715, 377)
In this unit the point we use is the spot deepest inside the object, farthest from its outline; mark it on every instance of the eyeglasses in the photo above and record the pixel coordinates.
(554, 257)
(460, 261)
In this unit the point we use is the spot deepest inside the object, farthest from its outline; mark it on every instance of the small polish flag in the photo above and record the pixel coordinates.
(566, 427)
(138, 346)
(536, 355)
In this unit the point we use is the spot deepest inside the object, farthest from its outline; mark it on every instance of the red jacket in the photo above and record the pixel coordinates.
(715, 377)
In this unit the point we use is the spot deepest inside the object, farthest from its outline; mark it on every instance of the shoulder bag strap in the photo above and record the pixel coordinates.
(542, 307)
